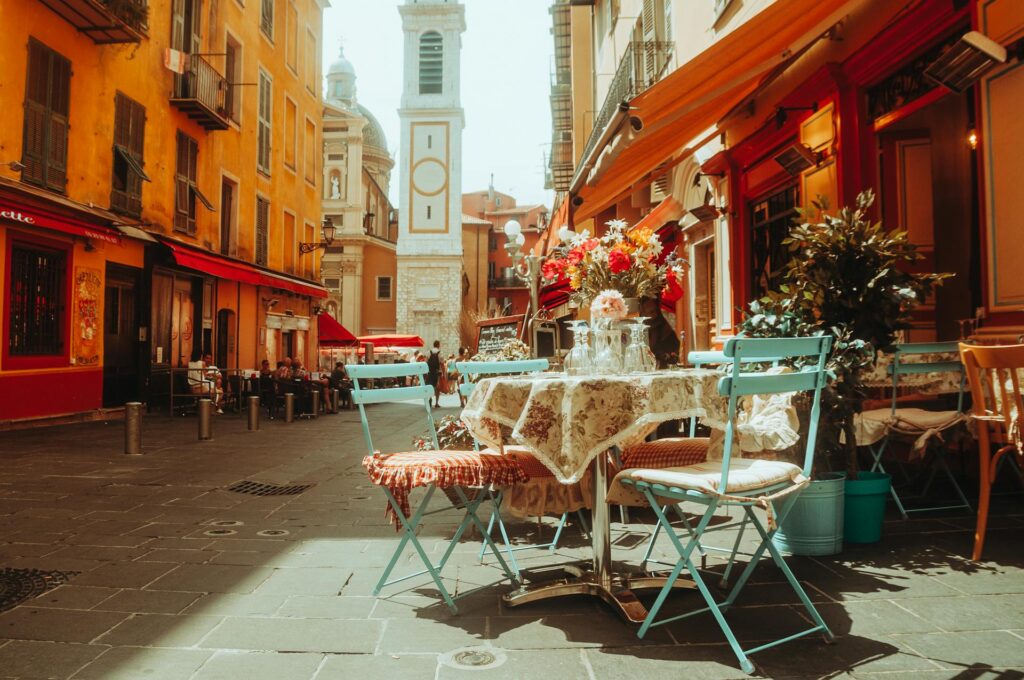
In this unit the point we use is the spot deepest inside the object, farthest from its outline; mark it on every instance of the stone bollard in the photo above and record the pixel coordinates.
(335, 400)
(205, 420)
(133, 428)
(289, 407)
(254, 413)
(314, 402)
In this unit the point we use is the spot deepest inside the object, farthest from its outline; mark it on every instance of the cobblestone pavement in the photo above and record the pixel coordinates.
(171, 575)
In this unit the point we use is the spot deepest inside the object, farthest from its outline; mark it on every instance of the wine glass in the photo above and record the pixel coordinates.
(639, 358)
(577, 361)
(608, 350)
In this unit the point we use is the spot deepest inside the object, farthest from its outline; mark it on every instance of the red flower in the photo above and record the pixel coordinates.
(575, 256)
(553, 269)
(673, 289)
(590, 244)
(618, 261)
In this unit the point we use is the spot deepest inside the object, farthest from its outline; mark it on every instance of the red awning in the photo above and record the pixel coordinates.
(332, 333)
(393, 340)
(35, 218)
(236, 270)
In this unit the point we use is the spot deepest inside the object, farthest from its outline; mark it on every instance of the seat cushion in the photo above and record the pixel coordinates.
(667, 452)
(871, 426)
(745, 474)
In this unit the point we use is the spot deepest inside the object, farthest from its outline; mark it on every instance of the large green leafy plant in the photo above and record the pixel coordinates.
(847, 277)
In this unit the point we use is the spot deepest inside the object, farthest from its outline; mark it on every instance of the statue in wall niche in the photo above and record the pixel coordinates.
(335, 187)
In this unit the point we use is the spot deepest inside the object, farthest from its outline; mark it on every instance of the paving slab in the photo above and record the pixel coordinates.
(132, 663)
(37, 659)
(259, 666)
(335, 636)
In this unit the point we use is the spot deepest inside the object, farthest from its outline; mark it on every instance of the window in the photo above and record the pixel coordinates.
(264, 123)
(289, 242)
(36, 316)
(310, 151)
(383, 288)
(47, 99)
(262, 229)
(491, 268)
(312, 71)
(431, 62)
(185, 17)
(233, 73)
(128, 175)
(292, 31)
(228, 217)
(492, 242)
(291, 131)
(267, 18)
(186, 189)
(771, 221)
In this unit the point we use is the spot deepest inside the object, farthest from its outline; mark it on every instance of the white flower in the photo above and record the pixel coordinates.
(580, 238)
(617, 225)
(654, 247)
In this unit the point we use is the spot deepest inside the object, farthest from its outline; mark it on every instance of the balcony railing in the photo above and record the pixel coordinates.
(505, 282)
(201, 92)
(561, 162)
(561, 107)
(643, 64)
(105, 21)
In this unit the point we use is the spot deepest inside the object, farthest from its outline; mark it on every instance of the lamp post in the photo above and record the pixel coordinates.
(526, 268)
(327, 231)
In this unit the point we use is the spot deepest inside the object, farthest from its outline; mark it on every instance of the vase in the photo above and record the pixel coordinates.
(814, 525)
(865, 506)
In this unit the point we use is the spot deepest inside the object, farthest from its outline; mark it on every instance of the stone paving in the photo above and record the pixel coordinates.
(170, 575)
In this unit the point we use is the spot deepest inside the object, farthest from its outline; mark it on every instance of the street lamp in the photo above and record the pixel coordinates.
(526, 268)
(327, 230)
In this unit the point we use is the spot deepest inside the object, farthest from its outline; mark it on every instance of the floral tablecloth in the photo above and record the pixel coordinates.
(565, 421)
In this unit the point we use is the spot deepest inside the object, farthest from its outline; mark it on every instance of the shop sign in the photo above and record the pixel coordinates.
(24, 216)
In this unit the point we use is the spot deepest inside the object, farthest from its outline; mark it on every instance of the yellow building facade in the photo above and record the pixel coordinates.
(164, 160)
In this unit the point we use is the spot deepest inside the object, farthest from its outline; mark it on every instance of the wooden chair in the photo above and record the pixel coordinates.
(994, 375)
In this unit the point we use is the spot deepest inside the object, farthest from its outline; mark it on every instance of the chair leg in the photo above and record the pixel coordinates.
(876, 466)
(490, 525)
(944, 462)
(984, 493)
(471, 511)
(724, 582)
(652, 540)
(558, 532)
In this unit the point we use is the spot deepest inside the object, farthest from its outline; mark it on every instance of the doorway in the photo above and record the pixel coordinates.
(121, 345)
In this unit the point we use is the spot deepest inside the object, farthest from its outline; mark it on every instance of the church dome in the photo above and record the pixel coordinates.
(341, 65)
(373, 132)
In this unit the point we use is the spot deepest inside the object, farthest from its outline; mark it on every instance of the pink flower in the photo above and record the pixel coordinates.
(618, 261)
(609, 304)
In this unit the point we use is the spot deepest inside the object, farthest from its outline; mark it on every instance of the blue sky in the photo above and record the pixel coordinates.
(506, 65)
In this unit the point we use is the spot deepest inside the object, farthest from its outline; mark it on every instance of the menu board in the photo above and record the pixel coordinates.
(492, 334)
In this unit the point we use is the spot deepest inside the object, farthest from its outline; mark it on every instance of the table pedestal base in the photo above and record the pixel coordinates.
(616, 592)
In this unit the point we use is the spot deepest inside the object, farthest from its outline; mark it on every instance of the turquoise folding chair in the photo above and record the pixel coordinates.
(473, 371)
(745, 483)
(403, 463)
(912, 423)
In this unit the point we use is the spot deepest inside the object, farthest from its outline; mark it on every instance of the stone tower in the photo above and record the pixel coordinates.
(429, 290)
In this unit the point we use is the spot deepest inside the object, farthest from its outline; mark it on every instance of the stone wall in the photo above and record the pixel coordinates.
(429, 297)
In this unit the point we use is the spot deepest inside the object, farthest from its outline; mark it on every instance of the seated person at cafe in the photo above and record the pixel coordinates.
(340, 381)
(299, 372)
(204, 379)
(284, 369)
(265, 370)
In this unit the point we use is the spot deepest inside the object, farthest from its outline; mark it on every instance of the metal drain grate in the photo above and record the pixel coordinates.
(19, 585)
(261, 489)
(474, 658)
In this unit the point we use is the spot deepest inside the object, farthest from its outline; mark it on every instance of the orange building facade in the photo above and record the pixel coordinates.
(160, 166)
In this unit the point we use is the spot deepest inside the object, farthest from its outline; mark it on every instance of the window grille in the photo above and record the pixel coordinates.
(37, 305)
(384, 288)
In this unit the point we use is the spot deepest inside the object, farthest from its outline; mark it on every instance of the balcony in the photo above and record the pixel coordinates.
(561, 31)
(561, 161)
(201, 92)
(105, 21)
(561, 107)
(643, 64)
(505, 282)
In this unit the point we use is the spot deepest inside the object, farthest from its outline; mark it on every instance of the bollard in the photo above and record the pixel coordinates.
(335, 400)
(254, 413)
(314, 402)
(289, 407)
(133, 428)
(205, 420)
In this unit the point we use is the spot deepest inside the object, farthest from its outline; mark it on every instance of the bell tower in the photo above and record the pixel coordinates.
(429, 287)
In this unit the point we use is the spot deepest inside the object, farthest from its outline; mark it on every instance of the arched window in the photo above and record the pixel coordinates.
(431, 62)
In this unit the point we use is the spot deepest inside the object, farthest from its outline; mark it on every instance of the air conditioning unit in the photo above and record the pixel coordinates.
(965, 61)
(796, 158)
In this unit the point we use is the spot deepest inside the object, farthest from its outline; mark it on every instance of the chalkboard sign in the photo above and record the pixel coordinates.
(492, 334)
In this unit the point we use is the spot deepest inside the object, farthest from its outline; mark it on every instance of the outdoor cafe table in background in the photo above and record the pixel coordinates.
(570, 422)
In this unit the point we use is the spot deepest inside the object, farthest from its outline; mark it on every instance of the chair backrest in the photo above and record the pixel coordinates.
(994, 373)
(363, 395)
(907, 361)
(811, 378)
(474, 370)
(702, 358)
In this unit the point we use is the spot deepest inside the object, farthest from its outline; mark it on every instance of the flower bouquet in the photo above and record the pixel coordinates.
(630, 261)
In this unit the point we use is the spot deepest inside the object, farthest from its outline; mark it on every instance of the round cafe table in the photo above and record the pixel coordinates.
(571, 422)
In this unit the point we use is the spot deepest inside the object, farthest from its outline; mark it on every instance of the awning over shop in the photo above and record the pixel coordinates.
(393, 340)
(680, 113)
(333, 334)
(33, 217)
(236, 270)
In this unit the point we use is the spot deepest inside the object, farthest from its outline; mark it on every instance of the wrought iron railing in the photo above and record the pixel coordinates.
(506, 282)
(643, 64)
(135, 13)
(203, 86)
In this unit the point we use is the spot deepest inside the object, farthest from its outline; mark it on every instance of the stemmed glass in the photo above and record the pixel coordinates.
(638, 357)
(578, 360)
(608, 350)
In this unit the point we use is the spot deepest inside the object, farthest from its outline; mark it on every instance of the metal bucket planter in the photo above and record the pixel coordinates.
(865, 506)
(814, 526)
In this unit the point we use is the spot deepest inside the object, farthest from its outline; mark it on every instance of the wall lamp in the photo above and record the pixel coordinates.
(327, 229)
(782, 113)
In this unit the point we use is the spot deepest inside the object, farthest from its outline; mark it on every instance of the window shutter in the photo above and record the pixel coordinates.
(178, 25)
(34, 145)
(47, 98)
(181, 186)
(262, 215)
(60, 95)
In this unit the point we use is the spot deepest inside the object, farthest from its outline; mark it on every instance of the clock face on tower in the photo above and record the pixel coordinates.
(429, 177)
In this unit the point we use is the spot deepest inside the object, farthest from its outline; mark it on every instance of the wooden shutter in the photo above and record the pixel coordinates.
(262, 216)
(264, 124)
(182, 190)
(178, 25)
(47, 100)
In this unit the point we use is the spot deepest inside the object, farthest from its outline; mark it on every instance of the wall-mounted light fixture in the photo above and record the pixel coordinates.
(699, 175)
(14, 166)
(972, 139)
(965, 61)
(782, 113)
(327, 230)
(796, 158)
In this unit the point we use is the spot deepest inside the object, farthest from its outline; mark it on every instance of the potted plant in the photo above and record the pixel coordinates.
(847, 277)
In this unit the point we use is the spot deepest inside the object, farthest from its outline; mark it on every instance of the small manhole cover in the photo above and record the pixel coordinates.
(263, 489)
(225, 523)
(474, 658)
(220, 532)
(272, 532)
(19, 585)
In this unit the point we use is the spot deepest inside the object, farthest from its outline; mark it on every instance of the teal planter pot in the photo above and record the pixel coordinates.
(865, 506)
(814, 526)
